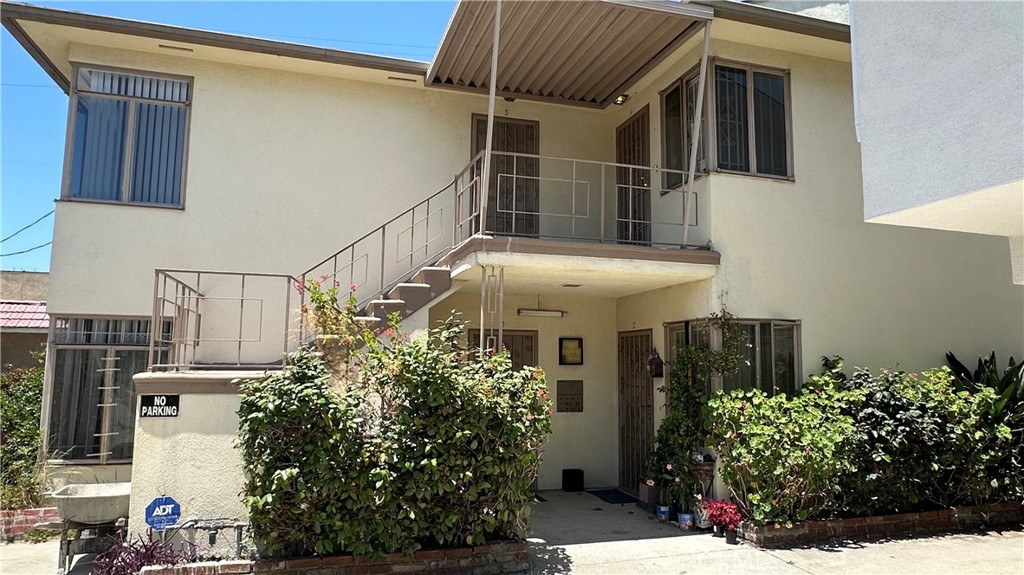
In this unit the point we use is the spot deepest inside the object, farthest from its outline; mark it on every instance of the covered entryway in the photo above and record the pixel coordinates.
(636, 408)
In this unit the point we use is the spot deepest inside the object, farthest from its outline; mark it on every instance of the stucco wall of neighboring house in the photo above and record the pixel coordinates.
(24, 286)
(191, 458)
(16, 348)
(940, 90)
(324, 160)
(587, 440)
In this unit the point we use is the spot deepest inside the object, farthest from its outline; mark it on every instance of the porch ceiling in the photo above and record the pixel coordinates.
(544, 267)
(564, 51)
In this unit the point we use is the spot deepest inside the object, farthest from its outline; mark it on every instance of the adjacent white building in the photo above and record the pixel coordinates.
(940, 116)
(206, 173)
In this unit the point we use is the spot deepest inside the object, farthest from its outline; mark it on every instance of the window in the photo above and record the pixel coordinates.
(772, 357)
(679, 106)
(92, 398)
(128, 138)
(751, 122)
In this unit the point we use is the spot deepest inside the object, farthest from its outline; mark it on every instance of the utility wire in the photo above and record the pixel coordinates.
(28, 226)
(25, 251)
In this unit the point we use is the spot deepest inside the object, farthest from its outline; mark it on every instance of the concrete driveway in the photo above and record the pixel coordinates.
(579, 533)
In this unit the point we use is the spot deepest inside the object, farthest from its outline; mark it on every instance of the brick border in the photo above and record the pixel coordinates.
(16, 522)
(490, 559)
(879, 526)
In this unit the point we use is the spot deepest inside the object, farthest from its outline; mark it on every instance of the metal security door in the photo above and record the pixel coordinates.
(636, 408)
(521, 346)
(513, 201)
(633, 184)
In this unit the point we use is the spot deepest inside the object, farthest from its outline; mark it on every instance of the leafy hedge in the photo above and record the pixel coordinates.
(858, 445)
(430, 445)
(21, 396)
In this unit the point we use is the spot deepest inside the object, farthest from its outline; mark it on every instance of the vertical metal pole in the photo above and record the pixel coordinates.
(288, 313)
(500, 298)
(483, 304)
(383, 255)
(155, 321)
(241, 317)
(697, 115)
(488, 146)
(603, 199)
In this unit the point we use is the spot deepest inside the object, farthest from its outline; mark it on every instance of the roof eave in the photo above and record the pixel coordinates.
(15, 12)
(778, 19)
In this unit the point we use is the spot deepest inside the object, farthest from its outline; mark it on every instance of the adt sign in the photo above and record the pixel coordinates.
(163, 512)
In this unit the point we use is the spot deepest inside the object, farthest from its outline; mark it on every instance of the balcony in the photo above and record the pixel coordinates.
(587, 213)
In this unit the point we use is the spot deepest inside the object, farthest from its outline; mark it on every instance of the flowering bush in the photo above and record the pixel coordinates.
(431, 444)
(723, 514)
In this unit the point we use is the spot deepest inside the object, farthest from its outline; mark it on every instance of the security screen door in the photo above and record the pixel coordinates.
(636, 408)
(633, 184)
(513, 193)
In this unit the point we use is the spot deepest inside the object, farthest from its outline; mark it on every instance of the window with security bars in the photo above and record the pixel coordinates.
(91, 395)
(752, 121)
(128, 137)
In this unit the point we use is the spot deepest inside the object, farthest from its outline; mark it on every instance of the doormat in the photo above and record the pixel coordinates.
(613, 496)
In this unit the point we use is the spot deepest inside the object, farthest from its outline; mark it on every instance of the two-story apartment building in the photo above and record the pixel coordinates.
(575, 237)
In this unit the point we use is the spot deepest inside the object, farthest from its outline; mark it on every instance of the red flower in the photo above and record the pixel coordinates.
(299, 286)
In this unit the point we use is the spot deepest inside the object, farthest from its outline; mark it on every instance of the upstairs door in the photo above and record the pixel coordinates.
(633, 196)
(513, 193)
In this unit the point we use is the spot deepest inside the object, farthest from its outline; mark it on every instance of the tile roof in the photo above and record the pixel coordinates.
(23, 315)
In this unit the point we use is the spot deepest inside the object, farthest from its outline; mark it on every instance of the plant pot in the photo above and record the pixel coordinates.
(685, 521)
(700, 518)
(730, 537)
(648, 495)
(719, 532)
(662, 511)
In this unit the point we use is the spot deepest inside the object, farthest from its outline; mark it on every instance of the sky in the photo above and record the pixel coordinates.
(33, 110)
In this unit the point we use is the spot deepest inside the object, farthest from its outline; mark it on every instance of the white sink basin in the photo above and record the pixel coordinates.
(93, 503)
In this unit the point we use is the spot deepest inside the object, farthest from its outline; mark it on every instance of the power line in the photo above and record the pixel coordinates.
(30, 85)
(28, 226)
(26, 251)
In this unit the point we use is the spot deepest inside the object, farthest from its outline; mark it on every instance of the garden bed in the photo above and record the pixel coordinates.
(494, 558)
(879, 526)
(16, 522)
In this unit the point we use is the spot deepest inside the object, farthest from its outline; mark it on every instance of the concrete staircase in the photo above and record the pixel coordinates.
(407, 297)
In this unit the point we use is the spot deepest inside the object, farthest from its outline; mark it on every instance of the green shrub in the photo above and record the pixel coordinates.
(781, 458)
(21, 393)
(920, 443)
(430, 445)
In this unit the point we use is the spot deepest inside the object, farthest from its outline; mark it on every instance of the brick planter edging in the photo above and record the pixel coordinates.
(491, 559)
(878, 526)
(16, 522)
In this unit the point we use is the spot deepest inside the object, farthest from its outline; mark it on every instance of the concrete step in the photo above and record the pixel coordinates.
(415, 295)
(438, 277)
(380, 308)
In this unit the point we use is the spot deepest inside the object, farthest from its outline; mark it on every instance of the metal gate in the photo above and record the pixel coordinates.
(521, 346)
(636, 408)
(633, 184)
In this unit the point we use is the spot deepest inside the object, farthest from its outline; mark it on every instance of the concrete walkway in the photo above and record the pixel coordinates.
(579, 533)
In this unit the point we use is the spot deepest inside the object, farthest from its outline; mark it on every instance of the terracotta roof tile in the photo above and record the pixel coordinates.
(23, 315)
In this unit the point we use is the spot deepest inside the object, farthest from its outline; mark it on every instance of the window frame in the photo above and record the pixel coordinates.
(49, 382)
(130, 125)
(711, 151)
(692, 73)
(717, 383)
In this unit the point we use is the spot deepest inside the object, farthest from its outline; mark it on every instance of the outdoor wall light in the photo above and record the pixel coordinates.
(542, 312)
(620, 99)
(655, 365)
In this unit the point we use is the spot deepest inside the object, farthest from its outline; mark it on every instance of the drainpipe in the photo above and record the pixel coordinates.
(485, 181)
(697, 115)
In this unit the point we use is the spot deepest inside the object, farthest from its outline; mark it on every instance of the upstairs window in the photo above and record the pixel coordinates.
(128, 137)
(748, 113)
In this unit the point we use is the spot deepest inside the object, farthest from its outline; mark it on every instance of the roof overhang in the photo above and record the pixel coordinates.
(563, 51)
(15, 15)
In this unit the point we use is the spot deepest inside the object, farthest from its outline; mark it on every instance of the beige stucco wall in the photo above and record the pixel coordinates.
(24, 286)
(324, 160)
(191, 458)
(587, 440)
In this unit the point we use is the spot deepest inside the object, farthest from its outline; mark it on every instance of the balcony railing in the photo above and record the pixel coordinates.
(250, 320)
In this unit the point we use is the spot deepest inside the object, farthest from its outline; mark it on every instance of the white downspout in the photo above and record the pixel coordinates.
(697, 115)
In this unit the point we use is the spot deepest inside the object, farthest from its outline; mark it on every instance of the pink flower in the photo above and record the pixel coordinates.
(353, 287)
(389, 332)
(669, 467)
(650, 483)
(299, 287)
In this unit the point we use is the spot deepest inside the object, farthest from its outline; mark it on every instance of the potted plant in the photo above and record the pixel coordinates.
(726, 518)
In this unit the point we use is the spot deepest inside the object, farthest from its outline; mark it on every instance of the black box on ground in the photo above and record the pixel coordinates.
(572, 480)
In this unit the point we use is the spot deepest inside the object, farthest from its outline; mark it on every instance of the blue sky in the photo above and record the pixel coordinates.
(33, 111)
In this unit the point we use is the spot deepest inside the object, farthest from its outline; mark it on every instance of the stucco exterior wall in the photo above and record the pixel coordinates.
(24, 286)
(324, 160)
(940, 91)
(16, 348)
(587, 440)
(191, 458)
